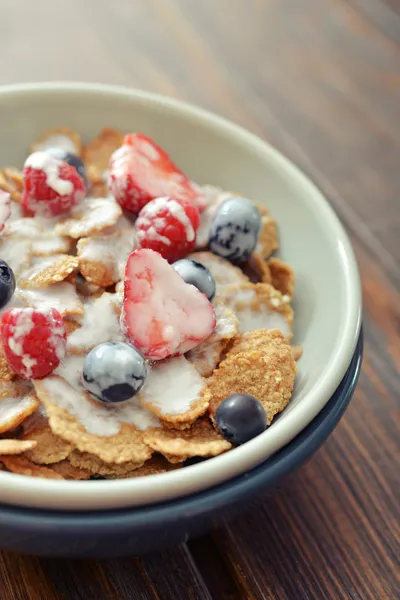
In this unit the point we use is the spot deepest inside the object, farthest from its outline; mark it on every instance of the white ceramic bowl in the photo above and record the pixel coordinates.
(210, 150)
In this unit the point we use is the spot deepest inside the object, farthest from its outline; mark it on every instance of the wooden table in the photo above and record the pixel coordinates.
(320, 79)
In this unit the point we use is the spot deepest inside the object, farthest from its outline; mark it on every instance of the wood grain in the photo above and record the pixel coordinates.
(320, 79)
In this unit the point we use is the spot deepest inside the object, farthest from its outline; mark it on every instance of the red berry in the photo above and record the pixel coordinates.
(5, 208)
(51, 186)
(141, 171)
(34, 341)
(162, 315)
(169, 227)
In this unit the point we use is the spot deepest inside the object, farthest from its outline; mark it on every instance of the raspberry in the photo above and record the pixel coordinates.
(141, 171)
(162, 315)
(5, 208)
(34, 341)
(51, 186)
(169, 227)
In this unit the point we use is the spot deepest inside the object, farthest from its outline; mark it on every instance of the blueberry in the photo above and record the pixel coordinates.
(235, 229)
(71, 159)
(7, 283)
(114, 372)
(196, 274)
(240, 417)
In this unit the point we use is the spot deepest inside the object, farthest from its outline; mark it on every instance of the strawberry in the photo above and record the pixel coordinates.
(34, 341)
(141, 171)
(169, 227)
(5, 208)
(51, 186)
(162, 315)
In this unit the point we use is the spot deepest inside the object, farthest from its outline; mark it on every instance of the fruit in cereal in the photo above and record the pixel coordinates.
(240, 418)
(72, 159)
(5, 208)
(114, 372)
(168, 226)
(51, 186)
(196, 274)
(235, 229)
(34, 341)
(141, 171)
(149, 365)
(162, 315)
(7, 283)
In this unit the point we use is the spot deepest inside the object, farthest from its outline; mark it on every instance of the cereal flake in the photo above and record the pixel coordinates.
(117, 439)
(50, 270)
(258, 306)
(206, 356)
(282, 276)
(259, 363)
(93, 216)
(16, 404)
(174, 391)
(8, 447)
(224, 272)
(23, 466)
(97, 153)
(201, 439)
(61, 137)
(68, 471)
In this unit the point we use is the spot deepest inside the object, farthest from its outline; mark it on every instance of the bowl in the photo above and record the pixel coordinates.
(210, 150)
(123, 532)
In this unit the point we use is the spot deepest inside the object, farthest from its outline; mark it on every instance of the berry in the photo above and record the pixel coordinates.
(196, 274)
(7, 284)
(235, 229)
(240, 418)
(51, 186)
(34, 341)
(141, 171)
(168, 226)
(71, 159)
(162, 315)
(114, 372)
(5, 208)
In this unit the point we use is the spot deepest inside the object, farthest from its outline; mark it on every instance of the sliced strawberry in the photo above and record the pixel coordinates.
(141, 171)
(51, 186)
(162, 314)
(5, 208)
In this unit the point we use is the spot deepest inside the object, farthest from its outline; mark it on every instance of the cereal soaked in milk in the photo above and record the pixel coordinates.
(104, 271)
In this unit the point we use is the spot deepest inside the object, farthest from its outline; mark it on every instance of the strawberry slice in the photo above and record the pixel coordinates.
(162, 315)
(141, 171)
(5, 208)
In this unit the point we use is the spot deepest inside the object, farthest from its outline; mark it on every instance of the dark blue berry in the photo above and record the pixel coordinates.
(7, 283)
(114, 372)
(71, 159)
(240, 418)
(196, 274)
(235, 229)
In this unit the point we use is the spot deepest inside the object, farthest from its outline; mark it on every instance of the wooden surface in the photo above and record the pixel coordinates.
(320, 79)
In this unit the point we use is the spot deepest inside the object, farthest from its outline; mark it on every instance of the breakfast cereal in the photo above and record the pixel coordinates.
(144, 358)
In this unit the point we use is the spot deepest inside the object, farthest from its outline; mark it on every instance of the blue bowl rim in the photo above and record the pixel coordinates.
(210, 501)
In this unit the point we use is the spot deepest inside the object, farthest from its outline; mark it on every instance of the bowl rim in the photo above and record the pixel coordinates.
(222, 496)
(97, 495)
